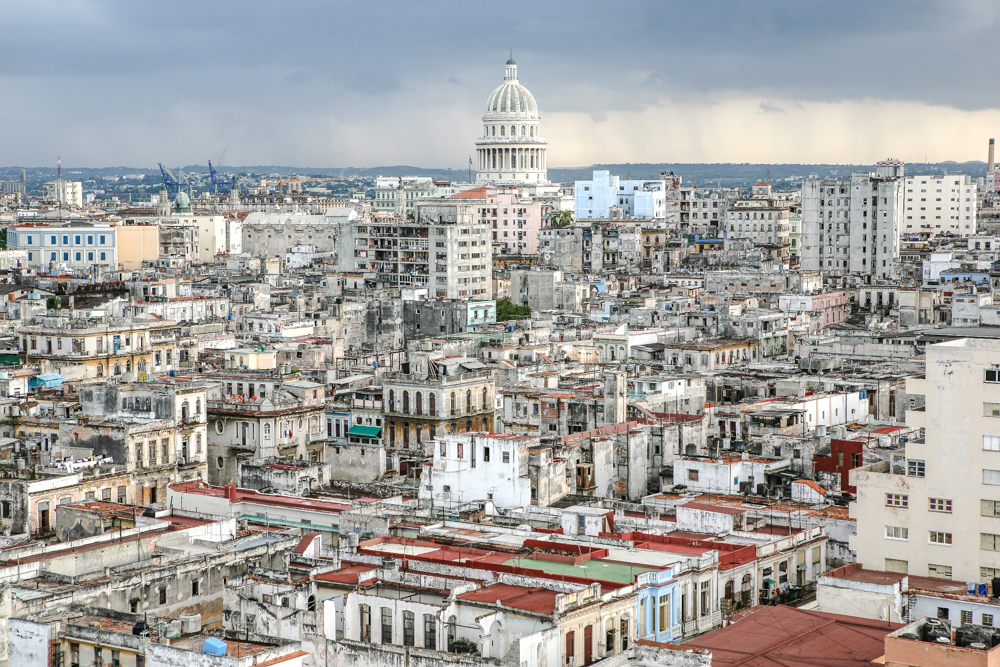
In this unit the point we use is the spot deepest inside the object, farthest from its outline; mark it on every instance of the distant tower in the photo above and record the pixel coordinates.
(991, 179)
(163, 208)
(400, 202)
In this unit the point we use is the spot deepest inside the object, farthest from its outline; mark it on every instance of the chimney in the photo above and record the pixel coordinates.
(230, 488)
(989, 166)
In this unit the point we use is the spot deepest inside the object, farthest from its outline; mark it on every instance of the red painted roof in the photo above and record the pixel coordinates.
(305, 542)
(812, 485)
(779, 636)
(516, 597)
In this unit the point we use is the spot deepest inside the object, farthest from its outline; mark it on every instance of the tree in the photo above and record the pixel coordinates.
(561, 218)
(507, 311)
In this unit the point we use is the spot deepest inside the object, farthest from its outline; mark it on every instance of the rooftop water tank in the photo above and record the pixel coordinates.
(214, 646)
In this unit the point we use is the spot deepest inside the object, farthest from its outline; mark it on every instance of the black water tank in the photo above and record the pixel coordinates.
(995, 586)
(139, 628)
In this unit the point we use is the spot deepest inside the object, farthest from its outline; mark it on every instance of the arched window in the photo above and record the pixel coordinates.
(100, 370)
(185, 409)
(118, 368)
(513, 131)
(431, 407)
(454, 404)
(494, 130)
(311, 603)
(419, 400)
(406, 402)
(729, 589)
(197, 407)
(745, 588)
(486, 399)
(392, 401)
(503, 130)
(523, 130)
(141, 366)
(468, 400)
(267, 431)
(128, 366)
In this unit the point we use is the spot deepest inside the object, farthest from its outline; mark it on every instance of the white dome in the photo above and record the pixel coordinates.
(510, 97)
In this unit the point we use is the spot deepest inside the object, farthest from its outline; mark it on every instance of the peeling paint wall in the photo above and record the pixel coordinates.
(28, 643)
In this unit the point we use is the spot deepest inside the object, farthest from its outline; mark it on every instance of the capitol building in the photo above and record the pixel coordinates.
(511, 150)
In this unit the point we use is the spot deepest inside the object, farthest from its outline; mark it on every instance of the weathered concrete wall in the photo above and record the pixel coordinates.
(74, 523)
(28, 643)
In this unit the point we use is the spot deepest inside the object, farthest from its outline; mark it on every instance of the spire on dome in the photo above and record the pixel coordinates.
(511, 74)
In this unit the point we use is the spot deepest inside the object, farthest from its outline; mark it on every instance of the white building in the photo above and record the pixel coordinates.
(852, 226)
(479, 466)
(936, 510)
(511, 150)
(66, 193)
(596, 198)
(71, 248)
(940, 204)
(759, 217)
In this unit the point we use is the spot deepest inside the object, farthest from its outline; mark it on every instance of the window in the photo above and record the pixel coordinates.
(993, 375)
(194, 587)
(664, 605)
(896, 533)
(486, 454)
(366, 623)
(942, 612)
(991, 477)
(692, 475)
(430, 633)
(706, 606)
(965, 617)
(991, 443)
(989, 542)
(987, 620)
(506, 457)
(938, 537)
(408, 628)
(896, 500)
(386, 625)
(163, 595)
(939, 504)
(915, 468)
(990, 508)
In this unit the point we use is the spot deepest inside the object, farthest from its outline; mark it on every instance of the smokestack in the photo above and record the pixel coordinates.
(989, 168)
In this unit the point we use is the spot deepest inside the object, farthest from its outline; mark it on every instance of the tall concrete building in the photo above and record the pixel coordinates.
(940, 205)
(936, 511)
(853, 225)
(63, 192)
(596, 198)
(511, 150)
(444, 249)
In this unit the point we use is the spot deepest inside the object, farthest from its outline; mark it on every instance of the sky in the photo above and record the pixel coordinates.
(379, 82)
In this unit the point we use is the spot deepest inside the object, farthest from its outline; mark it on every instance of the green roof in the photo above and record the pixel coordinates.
(602, 570)
(511, 61)
(365, 431)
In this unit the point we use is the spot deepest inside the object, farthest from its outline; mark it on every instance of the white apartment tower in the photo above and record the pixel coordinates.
(940, 204)
(936, 510)
(760, 217)
(853, 226)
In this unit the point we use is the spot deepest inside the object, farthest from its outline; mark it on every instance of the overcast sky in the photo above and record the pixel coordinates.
(372, 83)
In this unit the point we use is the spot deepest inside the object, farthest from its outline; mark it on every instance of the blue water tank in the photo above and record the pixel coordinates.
(173, 374)
(214, 646)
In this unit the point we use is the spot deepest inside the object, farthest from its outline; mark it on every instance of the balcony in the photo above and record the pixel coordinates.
(366, 404)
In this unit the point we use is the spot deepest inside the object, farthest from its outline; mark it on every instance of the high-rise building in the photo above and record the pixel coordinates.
(940, 204)
(511, 150)
(935, 511)
(66, 193)
(596, 198)
(853, 225)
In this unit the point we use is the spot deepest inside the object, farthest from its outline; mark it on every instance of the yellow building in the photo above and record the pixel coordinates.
(106, 346)
(137, 243)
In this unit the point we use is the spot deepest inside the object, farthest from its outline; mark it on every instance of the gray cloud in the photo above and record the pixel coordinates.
(118, 81)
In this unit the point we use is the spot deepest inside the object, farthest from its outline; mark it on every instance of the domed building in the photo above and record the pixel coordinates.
(511, 150)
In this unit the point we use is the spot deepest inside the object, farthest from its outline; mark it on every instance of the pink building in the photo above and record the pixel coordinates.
(515, 221)
(829, 308)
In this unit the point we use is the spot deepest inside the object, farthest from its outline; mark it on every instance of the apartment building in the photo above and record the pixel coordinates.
(940, 205)
(105, 346)
(759, 217)
(935, 511)
(852, 225)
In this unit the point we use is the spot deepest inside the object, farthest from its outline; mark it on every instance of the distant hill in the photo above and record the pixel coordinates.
(701, 174)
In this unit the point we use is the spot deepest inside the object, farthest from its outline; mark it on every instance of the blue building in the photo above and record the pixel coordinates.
(637, 199)
(658, 605)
